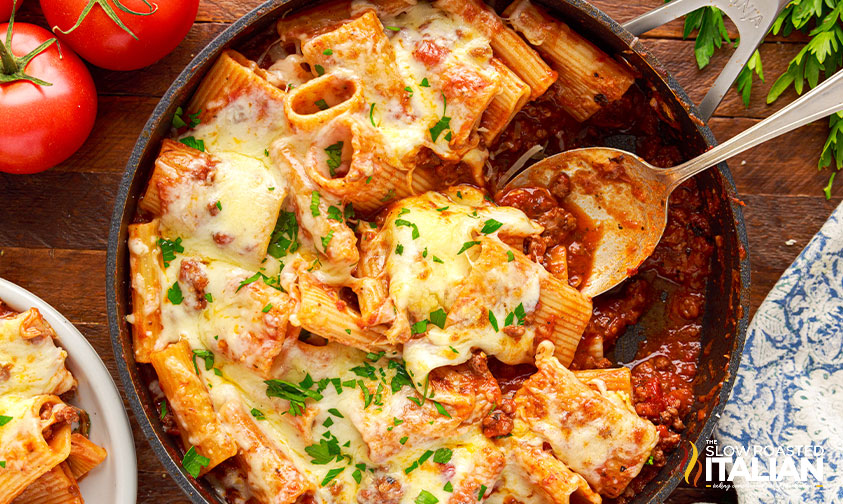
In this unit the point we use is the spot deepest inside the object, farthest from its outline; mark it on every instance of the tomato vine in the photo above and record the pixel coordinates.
(13, 67)
(109, 11)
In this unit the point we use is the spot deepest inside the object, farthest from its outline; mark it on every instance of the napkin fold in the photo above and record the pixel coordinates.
(788, 394)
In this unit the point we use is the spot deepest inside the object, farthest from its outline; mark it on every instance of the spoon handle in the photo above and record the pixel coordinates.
(822, 101)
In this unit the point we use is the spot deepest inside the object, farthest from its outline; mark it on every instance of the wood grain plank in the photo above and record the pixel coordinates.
(72, 281)
(786, 165)
(57, 209)
(120, 120)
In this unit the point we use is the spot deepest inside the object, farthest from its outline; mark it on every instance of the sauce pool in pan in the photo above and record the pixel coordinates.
(666, 297)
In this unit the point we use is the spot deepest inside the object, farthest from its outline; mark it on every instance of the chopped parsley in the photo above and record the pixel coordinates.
(403, 440)
(258, 414)
(441, 409)
(442, 209)
(442, 455)
(443, 123)
(319, 70)
(193, 462)
(493, 320)
(163, 410)
(448, 487)
(274, 282)
(438, 317)
(296, 395)
(192, 119)
(409, 90)
(267, 308)
(426, 497)
(174, 293)
(218, 205)
(372, 115)
(401, 377)
(334, 213)
(326, 240)
(369, 179)
(389, 194)
(467, 245)
(4, 420)
(193, 143)
(285, 236)
(424, 83)
(402, 222)
(491, 226)
(453, 349)
(650, 460)
(419, 327)
(328, 422)
(437, 260)
(393, 28)
(266, 153)
(205, 355)
(169, 250)
(328, 52)
(333, 473)
(335, 412)
(209, 297)
(481, 492)
(3, 464)
(314, 203)
(334, 153)
(322, 104)
(399, 249)
(510, 256)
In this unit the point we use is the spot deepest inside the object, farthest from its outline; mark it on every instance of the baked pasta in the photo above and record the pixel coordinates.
(44, 448)
(336, 307)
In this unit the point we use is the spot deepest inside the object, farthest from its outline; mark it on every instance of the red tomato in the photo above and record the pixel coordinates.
(6, 9)
(42, 126)
(101, 41)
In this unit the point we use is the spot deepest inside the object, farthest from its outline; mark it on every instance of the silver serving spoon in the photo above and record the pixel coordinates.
(627, 197)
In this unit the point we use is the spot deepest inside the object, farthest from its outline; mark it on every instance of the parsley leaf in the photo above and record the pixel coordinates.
(426, 497)
(319, 70)
(424, 83)
(328, 52)
(169, 250)
(174, 293)
(296, 395)
(491, 226)
(334, 153)
(193, 143)
(326, 240)
(419, 327)
(333, 473)
(510, 256)
(321, 103)
(193, 462)
(402, 222)
(285, 236)
(163, 410)
(401, 377)
(467, 245)
(258, 414)
(205, 355)
(314, 203)
(4, 420)
(443, 124)
(372, 115)
(442, 455)
(438, 317)
(334, 213)
(493, 320)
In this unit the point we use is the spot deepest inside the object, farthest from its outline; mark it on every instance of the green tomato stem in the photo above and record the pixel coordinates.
(13, 68)
(109, 11)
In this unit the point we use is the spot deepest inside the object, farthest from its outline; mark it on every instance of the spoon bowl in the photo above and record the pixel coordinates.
(624, 199)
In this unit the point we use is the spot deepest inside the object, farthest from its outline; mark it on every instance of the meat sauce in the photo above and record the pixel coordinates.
(665, 297)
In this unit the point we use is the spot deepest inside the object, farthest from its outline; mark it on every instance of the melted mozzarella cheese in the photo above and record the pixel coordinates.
(34, 365)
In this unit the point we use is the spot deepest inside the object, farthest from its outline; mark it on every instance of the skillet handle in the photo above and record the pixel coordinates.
(752, 17)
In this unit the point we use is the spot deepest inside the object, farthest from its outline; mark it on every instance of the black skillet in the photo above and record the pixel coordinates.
(727, 297)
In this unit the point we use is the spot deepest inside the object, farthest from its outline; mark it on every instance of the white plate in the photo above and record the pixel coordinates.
(114, 481)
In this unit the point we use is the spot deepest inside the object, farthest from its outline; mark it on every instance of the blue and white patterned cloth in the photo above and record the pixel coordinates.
(789, 389)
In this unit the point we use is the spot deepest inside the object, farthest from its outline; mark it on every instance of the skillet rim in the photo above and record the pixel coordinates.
(201, 493)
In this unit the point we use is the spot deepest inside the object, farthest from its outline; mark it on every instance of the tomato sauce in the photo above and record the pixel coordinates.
(665, 297)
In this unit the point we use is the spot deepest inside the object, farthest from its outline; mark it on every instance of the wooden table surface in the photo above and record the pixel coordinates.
(54, 225)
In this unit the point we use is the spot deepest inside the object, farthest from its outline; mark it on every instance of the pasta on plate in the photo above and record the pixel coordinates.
(44, 448)
(322, 285)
